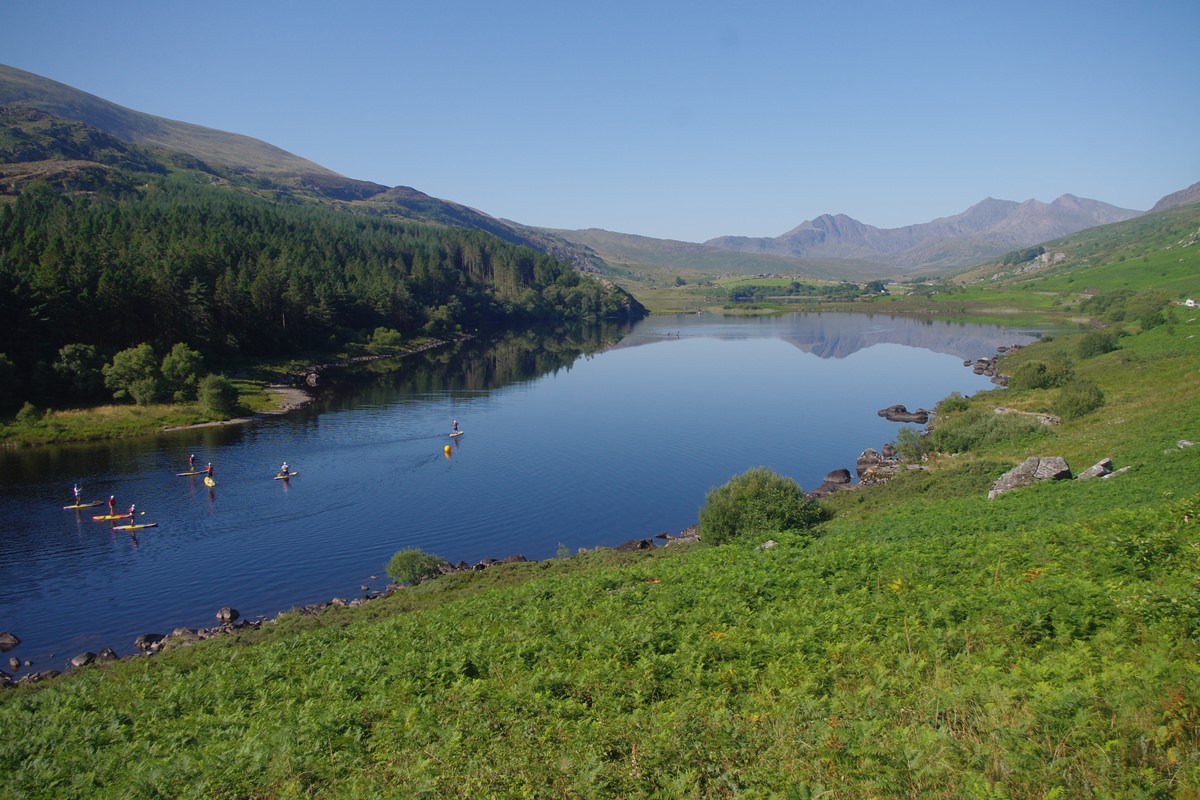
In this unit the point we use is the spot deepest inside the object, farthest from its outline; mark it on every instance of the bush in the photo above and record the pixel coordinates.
(414, 565)
(978, 427)
(145, 391)
(1041, 375)
(951, 403)
(29, 414)
(218, 397)
(1077, 398)
(911, 445)
(757, 501)
(1096, 343)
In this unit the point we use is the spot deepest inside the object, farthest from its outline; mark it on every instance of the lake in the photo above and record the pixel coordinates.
(578, 440)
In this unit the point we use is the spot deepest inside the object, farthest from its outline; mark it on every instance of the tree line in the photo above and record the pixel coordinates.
(225, 274)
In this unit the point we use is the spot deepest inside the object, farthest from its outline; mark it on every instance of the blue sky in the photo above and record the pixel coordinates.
(675, 120)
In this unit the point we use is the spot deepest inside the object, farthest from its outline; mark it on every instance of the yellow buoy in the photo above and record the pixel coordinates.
(447, 449)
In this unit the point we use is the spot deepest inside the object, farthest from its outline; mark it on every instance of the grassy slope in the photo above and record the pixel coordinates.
(928, 642)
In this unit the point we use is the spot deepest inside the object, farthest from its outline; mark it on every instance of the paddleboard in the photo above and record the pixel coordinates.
(209, 482)
(84, 505)
(282, 477)
(181, 474)
(135, 527)
(112, 516)
(457, 433)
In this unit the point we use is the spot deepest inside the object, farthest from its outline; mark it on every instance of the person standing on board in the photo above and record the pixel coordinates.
(132, 510)
(208, 470)
(112, 504)
(75, 490)
(284, 470)
(192, 462)
(456, 425)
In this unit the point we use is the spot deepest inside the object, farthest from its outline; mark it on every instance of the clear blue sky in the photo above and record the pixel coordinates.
(683, 120)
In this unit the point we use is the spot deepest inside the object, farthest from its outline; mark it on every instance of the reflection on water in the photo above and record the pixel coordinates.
(591, 436)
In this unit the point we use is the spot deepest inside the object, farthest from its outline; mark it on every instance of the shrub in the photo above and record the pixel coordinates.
(218, 397)
(1077, 398)
(414, 565)
(757, 501)
(29, 414)
(911, 445)
(951, 403)
(145, 391)
(978, 427)
(1041, 375)
(1096, 343)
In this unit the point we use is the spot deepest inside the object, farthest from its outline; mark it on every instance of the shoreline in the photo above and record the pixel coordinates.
(289, 398)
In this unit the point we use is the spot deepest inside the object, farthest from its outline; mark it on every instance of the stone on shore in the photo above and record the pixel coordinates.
(8, 641)
(228, 614)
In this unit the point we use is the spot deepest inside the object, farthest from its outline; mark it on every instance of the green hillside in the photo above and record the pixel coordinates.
(923, 641)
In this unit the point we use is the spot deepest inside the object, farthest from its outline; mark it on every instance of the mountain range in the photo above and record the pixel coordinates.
(831, 246)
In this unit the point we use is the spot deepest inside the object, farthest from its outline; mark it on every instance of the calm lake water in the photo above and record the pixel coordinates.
(592, 439)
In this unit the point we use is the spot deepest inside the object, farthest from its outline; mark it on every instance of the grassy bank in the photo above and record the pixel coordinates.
(926, 642)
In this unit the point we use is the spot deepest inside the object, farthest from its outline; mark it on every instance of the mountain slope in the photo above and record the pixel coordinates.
(20, 89)
(985, 230)
(236, 158)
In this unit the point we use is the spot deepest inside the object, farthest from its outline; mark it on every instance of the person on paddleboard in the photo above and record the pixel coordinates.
(192, 462)
(456, 425)
(112, 504)
(284, 469)
(208, 470)
(75, 490)
(132, 509)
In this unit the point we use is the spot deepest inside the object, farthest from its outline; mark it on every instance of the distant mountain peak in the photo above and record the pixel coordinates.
(986, 230)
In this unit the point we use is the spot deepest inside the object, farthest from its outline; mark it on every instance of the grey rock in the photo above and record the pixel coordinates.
(228, 614)
(148, 642)
(107, 654)
(838, 477)
(83, 659)
(1115, 473)
(1030, 471)
(635, 544)
(1097, 470)
(768, 544)
(1185, 443)
(8, 641)
(15, 663)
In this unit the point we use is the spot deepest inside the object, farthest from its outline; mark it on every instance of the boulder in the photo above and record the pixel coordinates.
(635, 544)
(83, 659)
(228, 614)
(514, 559)
(14, 663)
(8, 641)
(148, 642)
(900, 413)
(768, 544)
(889, 450)
(1115, 473)
(866, 459)
(838, 477)
(107, 654)
(1098, 470)
(1029, 471)
(6, 680)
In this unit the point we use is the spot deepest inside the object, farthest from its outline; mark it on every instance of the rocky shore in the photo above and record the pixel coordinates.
(230, 621)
